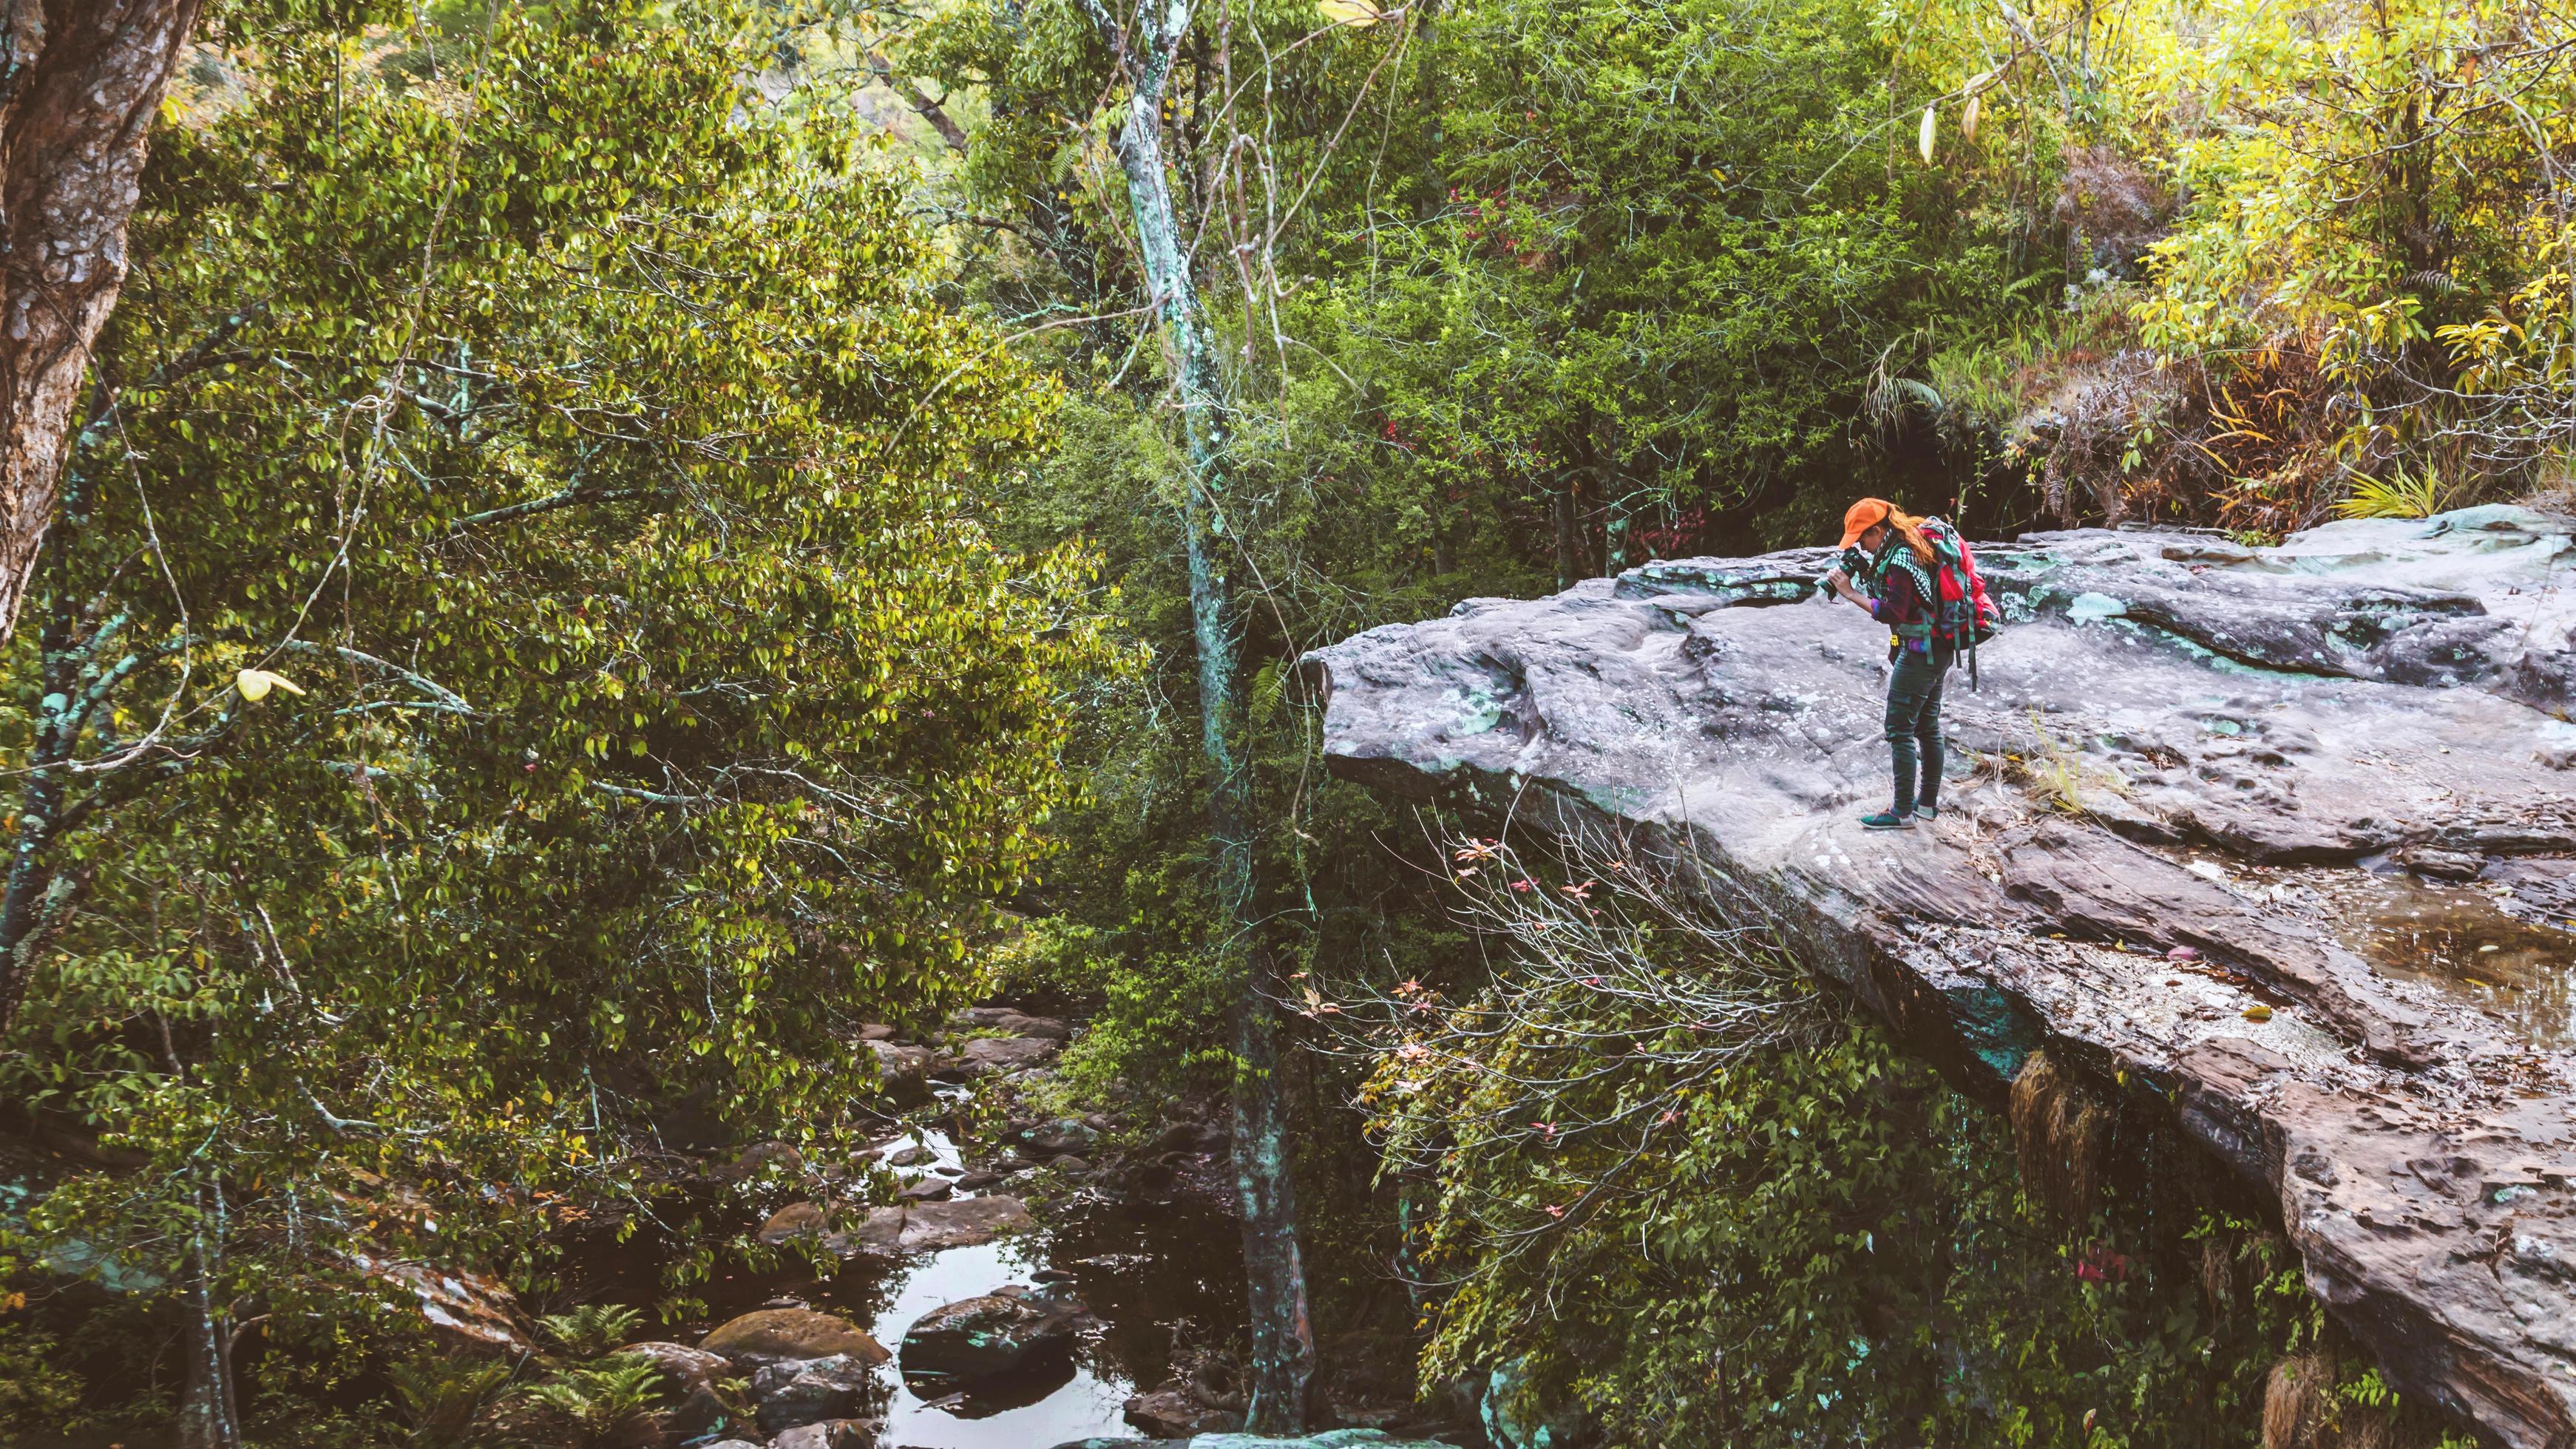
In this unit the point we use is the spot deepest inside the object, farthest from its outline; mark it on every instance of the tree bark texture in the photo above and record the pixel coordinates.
(80, 83)
(209, 1416)
(1283, 1349)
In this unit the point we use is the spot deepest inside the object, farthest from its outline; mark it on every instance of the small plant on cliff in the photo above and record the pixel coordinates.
(2402, 493)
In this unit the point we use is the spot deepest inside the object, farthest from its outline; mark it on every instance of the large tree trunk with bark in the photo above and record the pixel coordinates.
(1283, 1347)
(80, 82)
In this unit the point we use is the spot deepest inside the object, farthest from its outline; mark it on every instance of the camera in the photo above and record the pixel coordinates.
(1853, 565)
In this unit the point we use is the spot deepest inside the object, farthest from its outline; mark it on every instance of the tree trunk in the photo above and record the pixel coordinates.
(80, 82)
(1563, 509)
(1283, 1349)
(1614, 530)
(208, 1416)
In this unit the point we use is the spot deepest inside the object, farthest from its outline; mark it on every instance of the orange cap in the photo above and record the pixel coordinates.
(1863, 516)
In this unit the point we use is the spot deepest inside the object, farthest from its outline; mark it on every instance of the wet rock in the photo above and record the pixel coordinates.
(1072, 1165)
(760, 1158)
(877, 1031)
(807, 1391)
(1042, 1140)
(978, 1181)
(731, 1444)
(994, 1056)
(932, 1226)
(905, 1071)
(829, 1434)
(2369, 687)
(796, 1220)
(985, 1337)
(929, 1189)
(766, 1335)
(908, 1156)
(1014, 1023)
(1171, 1413)
(2435, 864)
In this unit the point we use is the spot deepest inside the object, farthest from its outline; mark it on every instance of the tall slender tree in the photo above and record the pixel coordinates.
(1283, 1340)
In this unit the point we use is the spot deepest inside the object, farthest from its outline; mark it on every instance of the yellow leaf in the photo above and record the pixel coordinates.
(2258, 1012)
(255, 684)
(1350, 12)
(1923, 142)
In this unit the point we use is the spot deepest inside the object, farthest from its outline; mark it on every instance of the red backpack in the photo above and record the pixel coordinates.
(1964, 615)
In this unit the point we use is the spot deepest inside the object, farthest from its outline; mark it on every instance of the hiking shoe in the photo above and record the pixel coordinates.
(1927, 812)
(1887, 820)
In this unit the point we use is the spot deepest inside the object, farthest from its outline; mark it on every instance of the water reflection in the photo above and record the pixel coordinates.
(2459, 938)
(1143, 1268)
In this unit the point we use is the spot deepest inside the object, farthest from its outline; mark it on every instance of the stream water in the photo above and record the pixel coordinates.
(1152, 1271)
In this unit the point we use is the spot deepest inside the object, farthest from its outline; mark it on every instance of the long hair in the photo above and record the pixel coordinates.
(1912, 527)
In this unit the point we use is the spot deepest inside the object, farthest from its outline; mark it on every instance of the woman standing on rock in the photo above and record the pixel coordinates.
(1898, 562)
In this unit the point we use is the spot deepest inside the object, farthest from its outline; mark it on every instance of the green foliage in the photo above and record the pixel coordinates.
(592, 1403)
(443, 1399)
(518, 657)
(591, 1329)
(34, 1387)
(1827, 1246)
(2404, 493)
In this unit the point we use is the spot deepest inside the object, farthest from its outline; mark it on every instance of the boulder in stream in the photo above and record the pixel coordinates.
(1064, 1137)
(932, 1226)
(766, 1335)
(2166, 714)
(904, 1070)
(791, 1392)
(995, 1056)
(1171, 1412)
(1003, 1332)
(1010, 1022)
(796, 1220)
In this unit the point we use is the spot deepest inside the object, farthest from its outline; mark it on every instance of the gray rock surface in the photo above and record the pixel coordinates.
(794, 1392)
(2179, 741)
(931, 1226)
(905, 1070)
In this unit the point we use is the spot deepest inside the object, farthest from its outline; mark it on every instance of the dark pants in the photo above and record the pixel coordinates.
(1914, 723)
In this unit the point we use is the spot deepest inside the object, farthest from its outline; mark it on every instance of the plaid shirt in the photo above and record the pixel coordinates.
(1900, 605)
